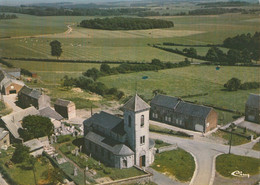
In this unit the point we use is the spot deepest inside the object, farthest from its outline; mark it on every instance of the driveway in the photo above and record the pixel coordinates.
(204, 153)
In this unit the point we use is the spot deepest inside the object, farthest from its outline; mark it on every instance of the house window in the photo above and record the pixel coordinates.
(169, 119)
(155, 115)
(142, 120)
(5, 141)
(177, 121)
(142, 140)
(129, 121)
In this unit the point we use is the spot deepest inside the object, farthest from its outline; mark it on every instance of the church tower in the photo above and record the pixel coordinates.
(136, 126)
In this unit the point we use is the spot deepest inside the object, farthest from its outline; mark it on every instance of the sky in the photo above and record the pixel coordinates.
(19, 2)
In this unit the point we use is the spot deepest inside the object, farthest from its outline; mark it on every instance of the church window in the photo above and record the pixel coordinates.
(142, 120)
(142, 140)
(129, 121)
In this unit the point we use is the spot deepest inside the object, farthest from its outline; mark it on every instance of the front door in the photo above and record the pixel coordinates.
(142, 161)
(12, 92)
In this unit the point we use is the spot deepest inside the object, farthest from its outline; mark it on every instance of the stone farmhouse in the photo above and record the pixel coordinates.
(65, 108)
(31, 97)
(9, 84)
(121, 143)
(252, 109)
(4, 138)
(177, 112)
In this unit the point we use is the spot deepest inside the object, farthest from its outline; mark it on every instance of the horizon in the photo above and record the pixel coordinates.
(26, 2)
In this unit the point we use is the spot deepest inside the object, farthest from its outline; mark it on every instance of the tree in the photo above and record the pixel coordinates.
(56, 49)
(35, 126)
(233, 84)
(21, 153)
(92, 73)
(105, 68)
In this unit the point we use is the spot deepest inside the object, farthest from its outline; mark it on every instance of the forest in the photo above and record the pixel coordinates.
(123, 23)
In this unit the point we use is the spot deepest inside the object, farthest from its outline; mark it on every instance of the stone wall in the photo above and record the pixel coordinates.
(167, 148)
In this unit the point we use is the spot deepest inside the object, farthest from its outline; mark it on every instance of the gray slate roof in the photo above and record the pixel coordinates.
(136, 104)
(104, 120)
(3, 133)
(33, 144)
(30, 92)
(13, 121)
(165, 101)
(50, 113)
(117, 149)
(62, 102)
(253, 101)
(6, 80)
(182, 107)
(193, 110)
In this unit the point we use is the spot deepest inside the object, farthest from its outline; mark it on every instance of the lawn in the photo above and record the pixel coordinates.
(189, 81)
(22, 176)
(177, 164)
(160, 143)
(236, 140)
(257, 146)
(228, 163)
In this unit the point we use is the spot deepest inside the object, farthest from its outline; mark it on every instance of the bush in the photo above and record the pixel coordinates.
(157, 141)
(63, 139)
(107, 171)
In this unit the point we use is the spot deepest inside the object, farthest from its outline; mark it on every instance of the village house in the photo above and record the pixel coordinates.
(4, 139)
(9, 84)
(13, 121)
(31, 97)
(65, 108)
(252, 108)
(121, 143)
(177, 112)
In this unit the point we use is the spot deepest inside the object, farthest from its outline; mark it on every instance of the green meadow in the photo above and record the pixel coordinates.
(190, 81)
(88, 44)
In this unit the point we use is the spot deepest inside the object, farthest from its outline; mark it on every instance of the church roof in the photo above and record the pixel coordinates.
(136, 104)
(104, 120)
(115, 147)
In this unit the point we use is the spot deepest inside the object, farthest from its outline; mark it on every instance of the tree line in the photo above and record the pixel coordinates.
(8, 16)
(125, 23)
(23, 71)
(155, 65)
(235, 84)
(78, 11)
(242, 50)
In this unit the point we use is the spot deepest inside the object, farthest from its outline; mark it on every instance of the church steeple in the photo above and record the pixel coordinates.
(136, 125)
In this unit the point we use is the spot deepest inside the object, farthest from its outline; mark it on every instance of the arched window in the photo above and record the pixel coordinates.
(142, 120)
(129, 121)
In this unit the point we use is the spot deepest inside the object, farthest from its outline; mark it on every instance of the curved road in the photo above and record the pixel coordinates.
(204, 153)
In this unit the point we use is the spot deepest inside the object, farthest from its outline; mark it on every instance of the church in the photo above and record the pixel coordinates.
(121, 143)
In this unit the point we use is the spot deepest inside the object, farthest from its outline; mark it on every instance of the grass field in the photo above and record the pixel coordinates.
(177, 164)
(189, 81)
(236, 140)
(87, 44)
(22, 176)
(257, 146)
(228, 163)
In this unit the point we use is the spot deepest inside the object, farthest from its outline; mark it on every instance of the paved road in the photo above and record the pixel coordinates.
(162, 179)
(204, 153)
